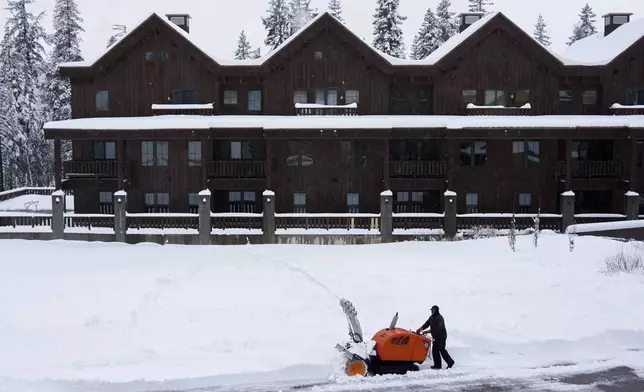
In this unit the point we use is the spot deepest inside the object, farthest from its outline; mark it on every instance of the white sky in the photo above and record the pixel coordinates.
(218, 22)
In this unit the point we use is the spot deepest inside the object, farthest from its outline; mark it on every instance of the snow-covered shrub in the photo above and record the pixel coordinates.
(630, 260)
(535, 239)
(512, 236)
(477, 232)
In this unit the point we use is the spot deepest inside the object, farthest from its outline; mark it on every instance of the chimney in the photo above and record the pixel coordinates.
(181, 20)
(613, 20)
(467, 18)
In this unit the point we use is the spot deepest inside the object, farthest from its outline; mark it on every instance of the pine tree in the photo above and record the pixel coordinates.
(277, 24)
(243, 51)
(585, 27)
(540, 32)
(299, 14)
(111, 41)
(387, 28)
(446, 21)
(119, 31)
(480, 5)
(257, 53)
(22, 65)
(66, 48)
(335, 8)
(12, 142)
(427, 39)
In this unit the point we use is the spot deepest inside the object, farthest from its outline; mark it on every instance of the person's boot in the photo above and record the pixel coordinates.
(436, 367)
(449, 365)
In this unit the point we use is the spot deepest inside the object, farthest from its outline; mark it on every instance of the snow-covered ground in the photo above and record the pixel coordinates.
(33, 203)
(112, 315)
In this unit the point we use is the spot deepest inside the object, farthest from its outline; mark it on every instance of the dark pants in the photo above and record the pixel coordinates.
(438, 349)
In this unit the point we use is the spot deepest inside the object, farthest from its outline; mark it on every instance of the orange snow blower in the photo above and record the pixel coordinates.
(391, 350)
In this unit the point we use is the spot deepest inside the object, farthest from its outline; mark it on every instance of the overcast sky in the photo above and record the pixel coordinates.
(217, 23)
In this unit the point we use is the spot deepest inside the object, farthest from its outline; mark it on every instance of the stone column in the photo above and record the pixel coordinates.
(386, 216)
(567, 210)
(120, 216)
(58, 215)
(449, 223)
(632, 205)
(268, 219)
(205, 226)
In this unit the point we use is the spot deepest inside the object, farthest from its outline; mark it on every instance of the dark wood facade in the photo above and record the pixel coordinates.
(340, 170)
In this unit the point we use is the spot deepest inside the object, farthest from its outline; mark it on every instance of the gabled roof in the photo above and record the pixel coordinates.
(602, 50)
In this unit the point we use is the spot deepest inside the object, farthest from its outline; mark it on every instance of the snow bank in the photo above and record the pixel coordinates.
(33, 203)
(604, 226)
(79, 311)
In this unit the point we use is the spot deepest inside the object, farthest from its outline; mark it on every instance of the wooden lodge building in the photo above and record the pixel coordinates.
(327, 122)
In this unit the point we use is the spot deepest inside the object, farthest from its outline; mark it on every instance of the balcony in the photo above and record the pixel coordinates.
(473, 110)
(237, 169)
(311, 109)
(585, 169)
(417, 169)
(103, 169)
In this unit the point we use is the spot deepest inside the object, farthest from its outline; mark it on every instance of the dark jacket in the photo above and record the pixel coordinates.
(437, 325)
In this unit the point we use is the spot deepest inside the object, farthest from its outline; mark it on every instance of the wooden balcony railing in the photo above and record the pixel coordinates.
(108, 169)
(591, 169)
(238, 169)
(304, 109)
(404, 169)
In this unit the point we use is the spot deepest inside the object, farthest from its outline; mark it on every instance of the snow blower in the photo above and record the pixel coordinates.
(391, 350)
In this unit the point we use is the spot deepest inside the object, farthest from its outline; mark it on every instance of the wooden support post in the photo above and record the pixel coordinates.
(120, 156)
(568, 164)
(269, 164)
(57, 164)
(385, 165)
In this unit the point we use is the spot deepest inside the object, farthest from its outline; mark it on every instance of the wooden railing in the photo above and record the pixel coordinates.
(417, 169)
(237, 169)
(89, 221)
(107, 169)
(328, 221)
(492, 111)
(17, 220)
(236, 221)
(591, 168)
(320, 110)
(14, 193)
(504, 221)
(163, 221)
(418, 221)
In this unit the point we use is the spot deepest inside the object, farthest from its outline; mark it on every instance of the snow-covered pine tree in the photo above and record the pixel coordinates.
(243, 51)
(446, 21)
(480, 5)
(22, 65)
(387, 28)
(585, 27)
(66, 48)
(335, 8)
(540, 33)
(111, 41)
(12, 142)
(536, 219)
(512, 236)
(277, 23)
(299, 14)
(257, 53)
(427, 39)
(119, 31)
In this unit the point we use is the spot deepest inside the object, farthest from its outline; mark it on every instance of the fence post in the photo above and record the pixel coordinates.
(386, 216)
(205, 226)
(120, 216)
(567, 210)
(58, 215)
(632, 205)
(268, 218)
(450, 227)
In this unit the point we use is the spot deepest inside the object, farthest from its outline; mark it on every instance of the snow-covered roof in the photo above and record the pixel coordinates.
(348, 122)
(601, 50)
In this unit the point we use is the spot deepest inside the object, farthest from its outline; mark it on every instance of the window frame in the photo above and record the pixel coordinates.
(255, 101)
(102, 101)
(503, 95)
(349, 96)
(472, 208)
(194, 155)
(523, 148)
(472, 153)
(102, 146)
(471, 94)
(193, 202)
(184, 96)
(155, 155)
(231, 97)
(299, 208)
(353, 202)
(525, 206)
(158, 206)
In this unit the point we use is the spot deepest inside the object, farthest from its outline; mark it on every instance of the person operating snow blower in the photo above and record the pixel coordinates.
(436, 323)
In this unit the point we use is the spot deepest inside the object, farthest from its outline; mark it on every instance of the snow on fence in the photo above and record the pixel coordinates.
(20, 220)
(13, 193)
(89, 221)
(501, 221)
(328, 221)
(162, 221)
(598, 218)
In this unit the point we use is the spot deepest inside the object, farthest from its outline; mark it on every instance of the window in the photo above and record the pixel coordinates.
(469, 96)
(472, 203)
(473, 153)
(179, 20)
(494, 98)
(520, 98)
(526, 152)
(194, 153)
(164, 55)
(104, 151)
(102, 101)
(354, 153)
(154, 153)
(332, 97)
(193, 203)
(300, 97)
(590, 97)
(469, 19)
(353, 203)
(230, 97)
(254, 101)
(157, 202)
(242, 202)
(320, 97)
(635, 97)
(620, 19)
(241, 151)
(565, 95)
(352, 96)
(318, 55)
(105, 203)
(299, 202)
(186, 96)
(149, 56)
(408, 202)
(525, 203)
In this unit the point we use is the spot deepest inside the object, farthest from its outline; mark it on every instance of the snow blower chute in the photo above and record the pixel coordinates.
(391, 350)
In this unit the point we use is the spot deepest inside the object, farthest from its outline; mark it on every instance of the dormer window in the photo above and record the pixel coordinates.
(468, 18)
(181, 20)
(614, 20)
